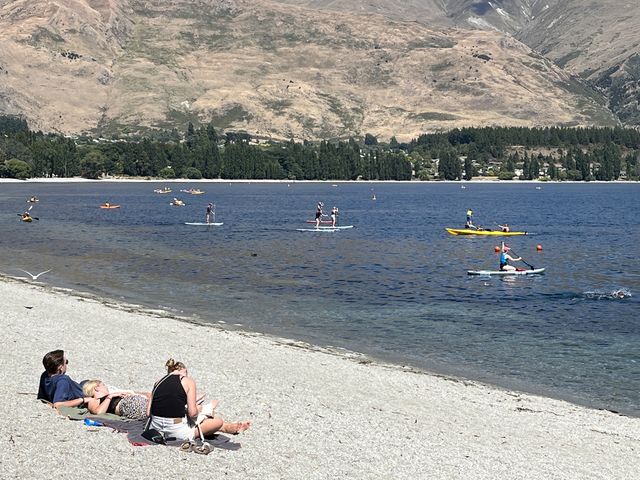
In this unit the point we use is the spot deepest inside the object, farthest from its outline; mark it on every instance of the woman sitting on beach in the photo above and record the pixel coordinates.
(173, 407)
(126, 404)
(55, 386)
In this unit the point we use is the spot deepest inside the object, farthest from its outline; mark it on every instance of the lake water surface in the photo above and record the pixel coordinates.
(394, 287)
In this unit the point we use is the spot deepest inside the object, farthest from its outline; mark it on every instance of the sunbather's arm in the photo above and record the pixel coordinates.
(76, 402)
(98, 407)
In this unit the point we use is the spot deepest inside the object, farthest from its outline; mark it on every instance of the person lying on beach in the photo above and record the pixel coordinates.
(56, 386)
(173, 407)
(126, 404)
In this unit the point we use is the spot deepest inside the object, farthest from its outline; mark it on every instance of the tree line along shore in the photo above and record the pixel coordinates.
(508, 153)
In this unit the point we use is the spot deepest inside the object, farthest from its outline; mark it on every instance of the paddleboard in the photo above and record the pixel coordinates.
(506, 272)
(337, 227)
(321, 229)
(178, 204)
(212, 224)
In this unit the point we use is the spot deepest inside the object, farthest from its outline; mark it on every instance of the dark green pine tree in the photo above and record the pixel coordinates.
(468, 168)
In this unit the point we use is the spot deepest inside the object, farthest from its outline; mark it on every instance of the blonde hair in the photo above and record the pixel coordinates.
(172, 365)
(89, 387)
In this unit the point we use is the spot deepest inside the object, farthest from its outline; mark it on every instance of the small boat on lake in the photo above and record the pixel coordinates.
(469, 231)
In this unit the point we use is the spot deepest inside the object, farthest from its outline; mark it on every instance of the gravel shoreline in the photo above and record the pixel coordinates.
(316, 414)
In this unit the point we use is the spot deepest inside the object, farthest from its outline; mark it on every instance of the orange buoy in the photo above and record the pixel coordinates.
(539, 247)
(496, 249)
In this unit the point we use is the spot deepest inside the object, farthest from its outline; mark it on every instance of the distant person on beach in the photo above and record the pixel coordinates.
(334, 216)
(126, 404)
(55, 386)
(319, 213)
(469, 222)
(505, 258)
(209, 215)
(173, 407)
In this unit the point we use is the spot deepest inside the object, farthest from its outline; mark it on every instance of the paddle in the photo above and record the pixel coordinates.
(527, 264)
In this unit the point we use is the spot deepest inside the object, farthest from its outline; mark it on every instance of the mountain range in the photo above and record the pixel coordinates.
(310, 69)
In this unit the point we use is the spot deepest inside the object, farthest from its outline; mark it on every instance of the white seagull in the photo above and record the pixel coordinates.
(34, 277)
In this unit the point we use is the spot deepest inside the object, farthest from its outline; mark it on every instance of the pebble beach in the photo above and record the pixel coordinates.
(316, 413)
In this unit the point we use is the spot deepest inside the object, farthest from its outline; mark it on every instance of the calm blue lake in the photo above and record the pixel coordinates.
(394, 287)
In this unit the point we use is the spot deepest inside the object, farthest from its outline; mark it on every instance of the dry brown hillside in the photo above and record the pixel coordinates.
(269, 68)
(600, 42)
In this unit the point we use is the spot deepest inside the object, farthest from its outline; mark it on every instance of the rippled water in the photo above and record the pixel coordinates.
(394, 287)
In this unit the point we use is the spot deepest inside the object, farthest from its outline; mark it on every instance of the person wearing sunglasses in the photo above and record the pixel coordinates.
(56, 386)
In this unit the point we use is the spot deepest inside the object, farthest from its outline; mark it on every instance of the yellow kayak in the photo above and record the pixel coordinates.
(465, 231)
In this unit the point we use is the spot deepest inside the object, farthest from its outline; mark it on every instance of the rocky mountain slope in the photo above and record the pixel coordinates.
(276, 68)
(596, 40)
(600, 42)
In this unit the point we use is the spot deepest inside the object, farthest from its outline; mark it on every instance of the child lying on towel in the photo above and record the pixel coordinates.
(124, 403)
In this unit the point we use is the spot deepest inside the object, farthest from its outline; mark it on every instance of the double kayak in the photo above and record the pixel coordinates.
(467, 231)
(533, 271)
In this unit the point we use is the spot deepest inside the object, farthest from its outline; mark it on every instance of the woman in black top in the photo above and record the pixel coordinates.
(174, 412)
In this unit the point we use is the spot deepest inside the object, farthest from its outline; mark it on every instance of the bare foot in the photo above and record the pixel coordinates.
(234, 428)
